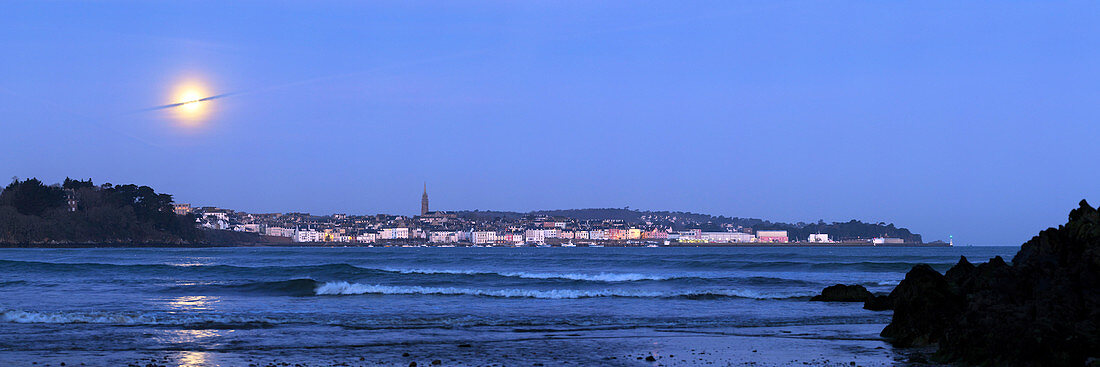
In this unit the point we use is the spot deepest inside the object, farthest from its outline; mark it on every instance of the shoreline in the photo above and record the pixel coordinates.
(816, 345)
(423, 245)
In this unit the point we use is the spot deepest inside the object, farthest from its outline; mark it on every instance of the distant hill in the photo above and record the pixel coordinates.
(852, 229)
(627, 215)
(638, 215)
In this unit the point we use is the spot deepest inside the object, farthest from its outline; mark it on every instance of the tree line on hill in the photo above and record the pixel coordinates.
(76, 211)
(849, 230)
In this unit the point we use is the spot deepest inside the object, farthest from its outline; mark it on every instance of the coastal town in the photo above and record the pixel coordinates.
(441, 228)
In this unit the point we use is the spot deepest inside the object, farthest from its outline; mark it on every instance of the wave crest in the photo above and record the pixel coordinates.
(346, 288)
(128, 318)
(598, 277)
(24, 317)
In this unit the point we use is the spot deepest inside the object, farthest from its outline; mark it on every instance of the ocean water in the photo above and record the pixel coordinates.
(224, 306)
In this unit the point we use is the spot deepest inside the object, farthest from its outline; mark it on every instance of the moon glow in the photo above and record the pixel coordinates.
(192, 103)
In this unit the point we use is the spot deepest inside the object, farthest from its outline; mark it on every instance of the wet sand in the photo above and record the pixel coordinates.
(813, 345)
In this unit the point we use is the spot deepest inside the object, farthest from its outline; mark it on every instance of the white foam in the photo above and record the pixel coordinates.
(345, 288)
(599, 277)
(35, 317)
(24, 317)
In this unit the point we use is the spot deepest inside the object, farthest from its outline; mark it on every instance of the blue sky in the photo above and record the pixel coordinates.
(972, 119)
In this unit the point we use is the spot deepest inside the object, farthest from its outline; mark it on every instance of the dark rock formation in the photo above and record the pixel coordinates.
(843, 293)
(924, 306)
(879, 303)
(955, 275)
(1042, 310)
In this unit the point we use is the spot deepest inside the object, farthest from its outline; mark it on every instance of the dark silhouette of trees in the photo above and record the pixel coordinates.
(31, 197)
(850, 230)
(32, 212)
(71, 184)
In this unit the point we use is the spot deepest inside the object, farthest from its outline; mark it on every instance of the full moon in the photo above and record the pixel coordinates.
(192, 110)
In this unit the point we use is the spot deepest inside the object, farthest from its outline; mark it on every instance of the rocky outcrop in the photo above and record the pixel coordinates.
(843, 293)
(879, 303)
(923, 308)
(1043, 309)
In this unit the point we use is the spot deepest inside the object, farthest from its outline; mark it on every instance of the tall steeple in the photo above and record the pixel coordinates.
(424, 201)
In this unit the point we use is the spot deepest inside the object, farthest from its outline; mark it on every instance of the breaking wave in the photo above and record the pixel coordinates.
(203, 322)
(609, 277)
(24, 317)
(345, 288)
(599, 277)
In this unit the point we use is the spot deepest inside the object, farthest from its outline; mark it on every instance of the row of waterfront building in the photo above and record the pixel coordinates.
(542, 236)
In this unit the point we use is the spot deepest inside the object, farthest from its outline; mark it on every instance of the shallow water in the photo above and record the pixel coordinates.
(287, 301)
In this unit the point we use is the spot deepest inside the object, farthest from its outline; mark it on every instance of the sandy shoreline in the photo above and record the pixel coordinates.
(816, 345)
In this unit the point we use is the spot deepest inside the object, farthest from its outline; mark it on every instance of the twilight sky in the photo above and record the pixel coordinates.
(972, 119)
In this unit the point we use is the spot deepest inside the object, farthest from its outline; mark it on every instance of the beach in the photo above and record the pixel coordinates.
(762, 346)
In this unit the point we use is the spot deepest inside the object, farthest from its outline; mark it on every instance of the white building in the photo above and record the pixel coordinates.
(887, 241)
(691, 234)
(309, 235)
(483, 237)
(250, 228)
(223, 216)
(366, 238)
(726, 237)
(819, 238)
(279, 232)
(599, 234)
(540, 235)
(443, 237)
(394, 233)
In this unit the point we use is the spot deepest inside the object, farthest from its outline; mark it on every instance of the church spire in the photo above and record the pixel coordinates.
(424, 201)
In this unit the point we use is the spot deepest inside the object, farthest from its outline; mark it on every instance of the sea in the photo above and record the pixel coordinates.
(260, 306)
